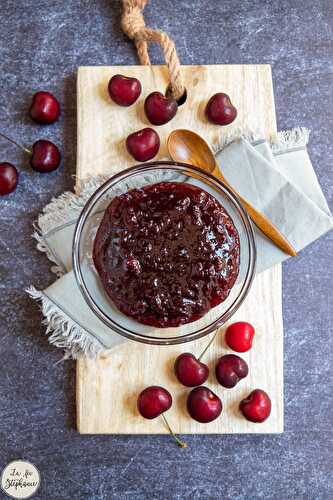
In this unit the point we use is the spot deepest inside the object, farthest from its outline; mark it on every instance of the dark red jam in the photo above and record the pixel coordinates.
(166, 253)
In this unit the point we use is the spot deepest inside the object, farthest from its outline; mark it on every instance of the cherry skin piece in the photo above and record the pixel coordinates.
(190, 371)
(8, 178)
(257, 406)
(143, 145)
(230, 369)
(203, 405)
(239, 336)
(45, 156)
(45, 108)
(124, 90)
(153, 401)
(160, 109)
(220, 110)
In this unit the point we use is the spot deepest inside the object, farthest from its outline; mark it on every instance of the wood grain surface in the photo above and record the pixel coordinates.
(107, 388)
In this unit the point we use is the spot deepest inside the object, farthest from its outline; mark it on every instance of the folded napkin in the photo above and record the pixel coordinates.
(276, 178)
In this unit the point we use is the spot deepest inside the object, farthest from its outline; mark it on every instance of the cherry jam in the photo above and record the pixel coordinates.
(166, 253)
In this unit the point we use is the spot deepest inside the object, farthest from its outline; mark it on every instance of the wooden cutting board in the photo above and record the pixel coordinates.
(107, 388)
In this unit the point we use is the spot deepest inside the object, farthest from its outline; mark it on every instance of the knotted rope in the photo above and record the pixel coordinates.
(133, 24)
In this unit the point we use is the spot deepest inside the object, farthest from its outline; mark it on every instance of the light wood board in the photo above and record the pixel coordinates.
(107, 388)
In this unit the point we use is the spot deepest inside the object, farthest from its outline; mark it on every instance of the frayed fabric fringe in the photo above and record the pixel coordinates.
(290, 139)
(67, 206)
(57, 269)
(282, 142)
(63, 332)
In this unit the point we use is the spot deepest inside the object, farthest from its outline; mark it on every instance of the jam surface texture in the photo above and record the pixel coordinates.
(166, 253)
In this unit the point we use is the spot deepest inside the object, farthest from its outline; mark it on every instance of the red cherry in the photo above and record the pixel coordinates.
(143, 145)
(190, 371)
(45, 156)
(257, 406)
(239, 336)
(220, 110)
(45, 108)
(8, 178)
(124, 90)
(203, 405)
(153, 401)
(160, 109)
(230, 369)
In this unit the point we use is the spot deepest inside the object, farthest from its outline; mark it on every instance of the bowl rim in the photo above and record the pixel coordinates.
(140, 337)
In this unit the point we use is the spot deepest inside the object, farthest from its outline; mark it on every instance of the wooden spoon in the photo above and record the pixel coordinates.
(187, 146)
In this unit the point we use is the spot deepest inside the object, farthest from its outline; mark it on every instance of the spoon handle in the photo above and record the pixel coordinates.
(264, 224)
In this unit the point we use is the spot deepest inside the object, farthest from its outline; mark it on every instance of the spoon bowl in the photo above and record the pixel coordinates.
(187, 146)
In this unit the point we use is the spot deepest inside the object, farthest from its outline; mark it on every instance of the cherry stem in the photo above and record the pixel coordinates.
(180, 443)
(208, 345)
(16, 143)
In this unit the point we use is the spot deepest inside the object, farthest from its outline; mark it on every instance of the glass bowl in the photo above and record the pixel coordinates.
(90, 283)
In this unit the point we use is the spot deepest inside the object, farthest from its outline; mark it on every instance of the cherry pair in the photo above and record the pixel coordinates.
(205, 406)
(125, 91)
(229, 370)
(44, 155)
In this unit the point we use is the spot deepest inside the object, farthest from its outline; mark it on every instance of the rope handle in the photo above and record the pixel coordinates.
(134, 26)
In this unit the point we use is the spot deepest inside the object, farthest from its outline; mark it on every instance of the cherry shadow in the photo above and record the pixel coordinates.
(102, 90)
(181, 402)
(233, 405)
(140, 113)
(169, 370)
(222, 341)
(130, 401)
(201, 111)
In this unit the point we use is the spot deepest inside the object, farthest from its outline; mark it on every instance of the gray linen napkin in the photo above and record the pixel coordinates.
(277, 178)
(284, 187)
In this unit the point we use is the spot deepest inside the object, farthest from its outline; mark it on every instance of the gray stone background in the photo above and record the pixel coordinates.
(41, 44)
